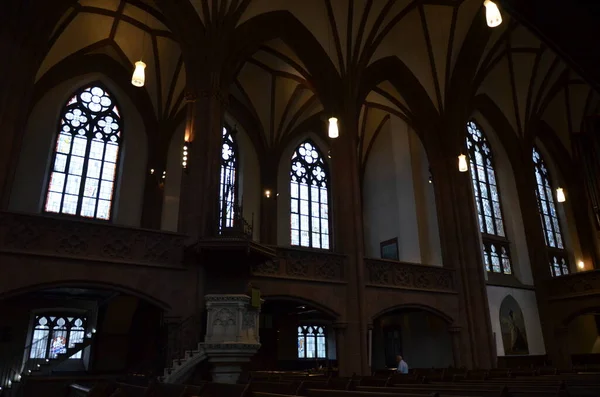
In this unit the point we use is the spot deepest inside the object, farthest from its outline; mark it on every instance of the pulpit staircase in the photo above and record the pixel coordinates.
(17, 366)
(16, 369)
(184, 350)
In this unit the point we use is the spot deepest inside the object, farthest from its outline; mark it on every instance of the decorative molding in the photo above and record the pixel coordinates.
(575, 285)
(303, 264)
(392, 274)
(227, 298)
(84, 240)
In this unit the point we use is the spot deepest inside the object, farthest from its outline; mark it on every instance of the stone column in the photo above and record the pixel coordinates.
(348, 239)
(461, 250)
(561, 353)
(340, 344)
(268, 205)
(199, 200)
(454, 332)
(231, 335)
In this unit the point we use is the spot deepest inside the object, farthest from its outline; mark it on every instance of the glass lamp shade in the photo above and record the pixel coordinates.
(560, 195)
(492, 14)
(462, 163)
(334, 132)
(139, 74)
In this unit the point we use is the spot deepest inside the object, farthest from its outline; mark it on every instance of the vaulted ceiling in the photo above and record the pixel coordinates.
(275, 85)
(126, 31)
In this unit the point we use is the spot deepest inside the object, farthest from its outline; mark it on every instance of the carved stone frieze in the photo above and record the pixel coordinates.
(383, 273)
(303, 264)
(73, 238)
(583, 283)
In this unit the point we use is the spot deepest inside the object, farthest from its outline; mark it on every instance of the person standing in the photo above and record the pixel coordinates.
(402, 365)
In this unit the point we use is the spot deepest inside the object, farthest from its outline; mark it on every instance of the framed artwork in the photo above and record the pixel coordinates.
(389, 249)
(512, 325)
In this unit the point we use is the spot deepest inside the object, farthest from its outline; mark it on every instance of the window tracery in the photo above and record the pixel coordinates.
(311, 342)
(309, 191)
(228, 184)
(54, 334)
(85, 158)
(559, 264)
(496, 253)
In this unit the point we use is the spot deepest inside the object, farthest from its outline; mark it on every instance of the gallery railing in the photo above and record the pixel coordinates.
(394, 274)
(575, 285)
(303, 264)
(57, 236)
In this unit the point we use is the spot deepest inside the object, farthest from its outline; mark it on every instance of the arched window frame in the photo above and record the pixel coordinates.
(315, 175)
(80, 121)
(54, 333)
(312, 342)
(496, 246)
(229, 178)
(550, 220)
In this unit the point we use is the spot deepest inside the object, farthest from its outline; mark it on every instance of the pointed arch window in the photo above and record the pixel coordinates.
(309, 190)
(558, 257)
(84, 166)
(496, 254)
(229, 178)
(312, 342)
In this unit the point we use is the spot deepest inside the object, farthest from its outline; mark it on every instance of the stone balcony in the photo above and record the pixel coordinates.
(303, 264)
(61, 237)
(575, 285)
(408, 276)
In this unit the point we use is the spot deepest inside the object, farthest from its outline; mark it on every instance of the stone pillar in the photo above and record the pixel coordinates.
(268, 205)
(199, 200)
(560, 353)
(340, 344)
(348, 239)
(461, 250)
(231, 335)
(454, 332)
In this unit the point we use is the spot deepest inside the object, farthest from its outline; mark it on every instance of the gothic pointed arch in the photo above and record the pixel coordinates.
(496, 253)
(309, 192)
(86, 155)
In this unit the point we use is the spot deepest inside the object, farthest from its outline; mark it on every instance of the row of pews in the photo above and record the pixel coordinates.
(433, 383)
(496, 383)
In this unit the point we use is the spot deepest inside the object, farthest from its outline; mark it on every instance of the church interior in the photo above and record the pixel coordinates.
(295, 197)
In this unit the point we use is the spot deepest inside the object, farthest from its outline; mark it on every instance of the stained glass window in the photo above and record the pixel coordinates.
(311, 342)
(549, 217)
(53, 335)
(85, 157)
(229, 161)
(309, 192)
(487, 200)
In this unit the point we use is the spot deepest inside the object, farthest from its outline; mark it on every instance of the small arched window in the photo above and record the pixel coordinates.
(312, 342)
(84, 167)
(309, 191)
(496, 254)
(229, 179)
(559, 264)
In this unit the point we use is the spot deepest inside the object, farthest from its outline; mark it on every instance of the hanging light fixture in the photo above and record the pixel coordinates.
(462, 163)
(560, 195)
(139, 74)
(334, 131)
(492, 14)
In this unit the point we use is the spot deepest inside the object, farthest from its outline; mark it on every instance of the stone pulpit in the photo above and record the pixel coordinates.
(231, 335)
